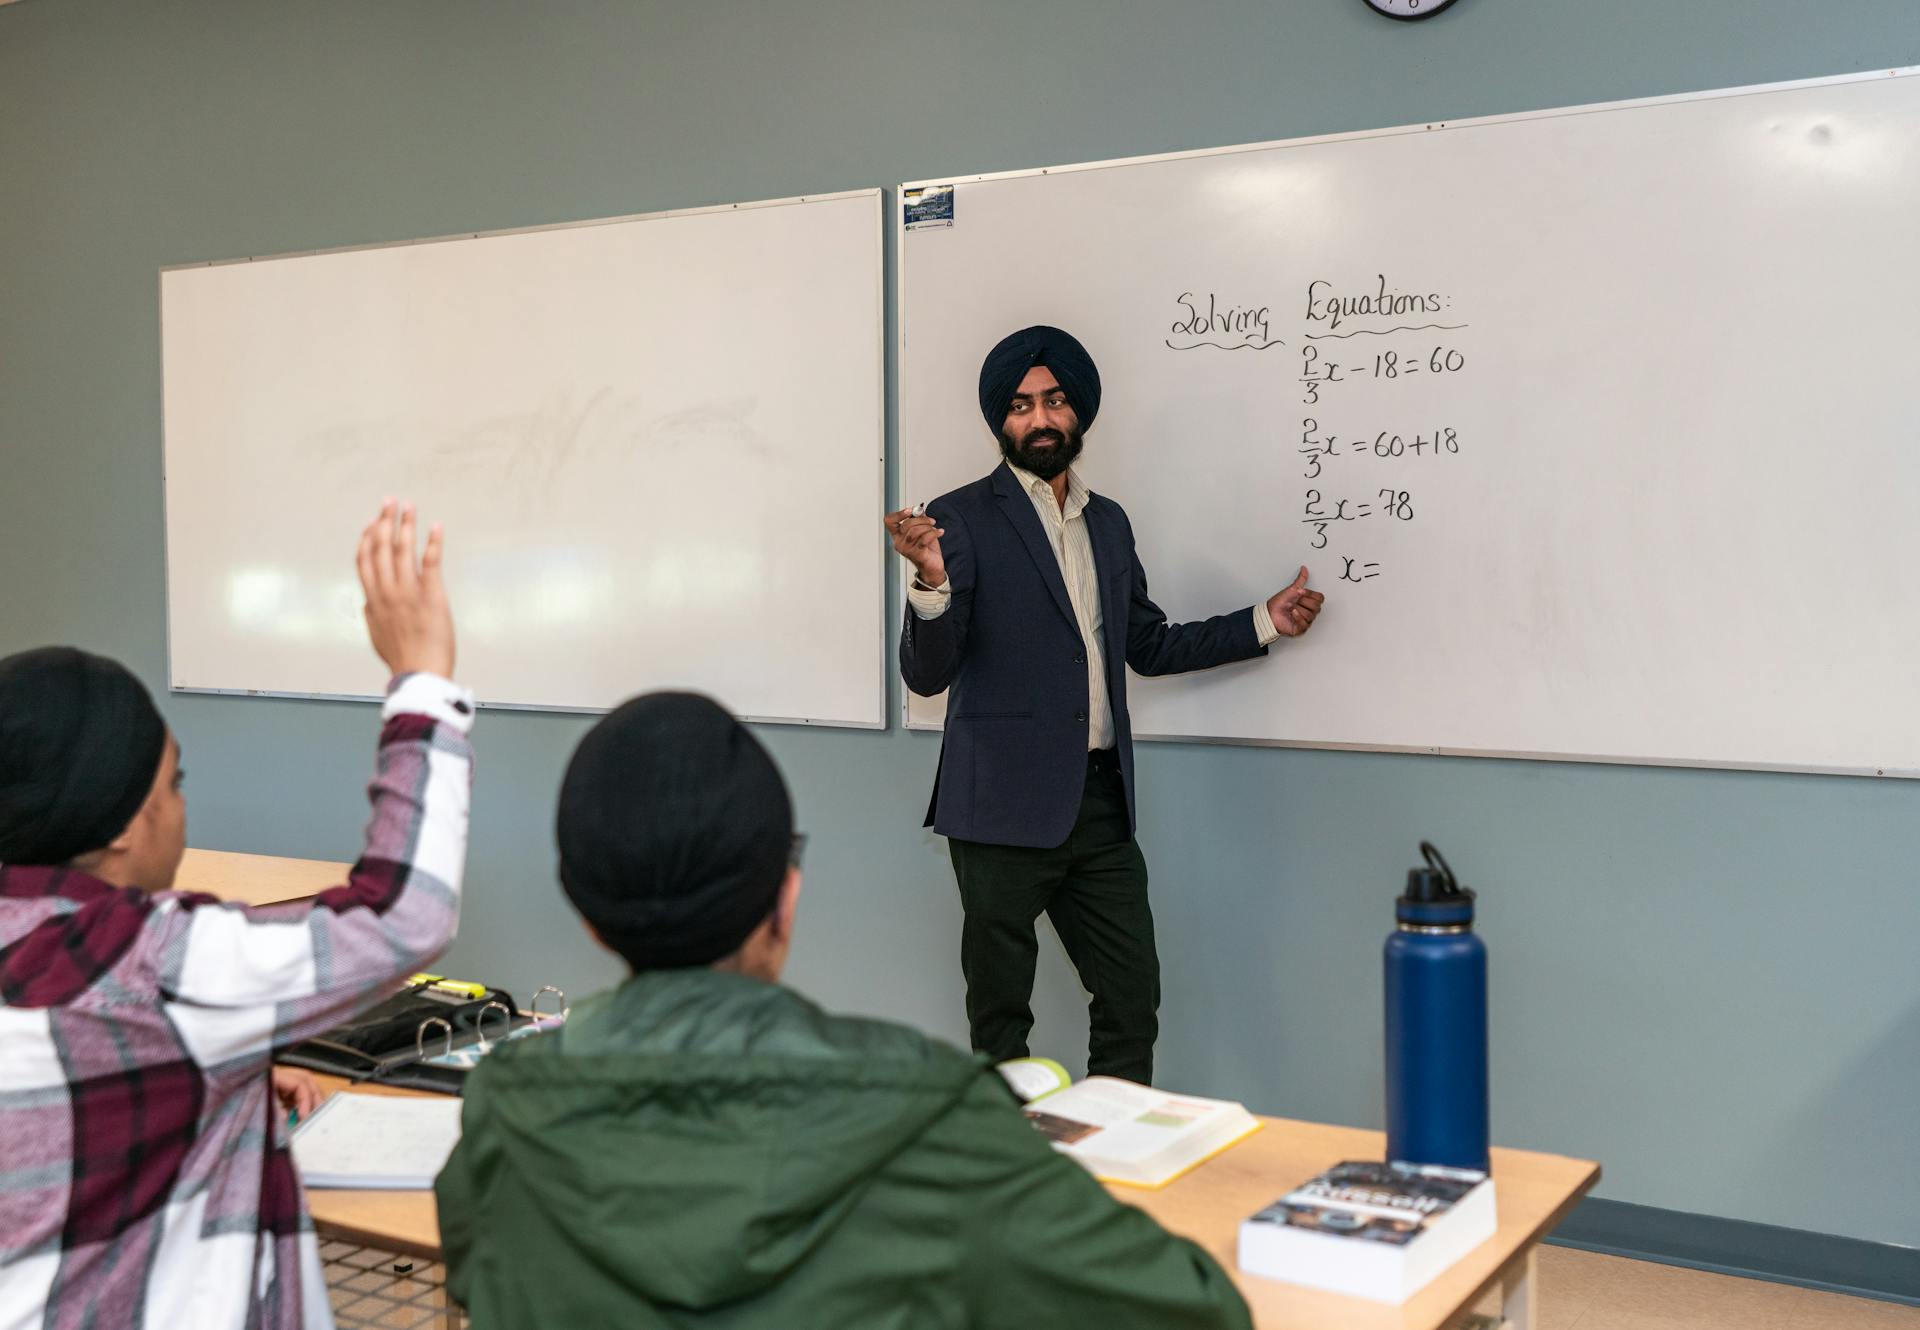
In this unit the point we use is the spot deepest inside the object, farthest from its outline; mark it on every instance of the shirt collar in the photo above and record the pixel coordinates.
(26, 881)
(1077, 491)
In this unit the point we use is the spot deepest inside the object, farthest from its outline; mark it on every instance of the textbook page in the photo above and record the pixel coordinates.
(377, 1142)
(1129, 1133)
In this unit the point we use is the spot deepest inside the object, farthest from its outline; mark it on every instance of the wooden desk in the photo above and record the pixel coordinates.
(256, 879)
(1534, 1191)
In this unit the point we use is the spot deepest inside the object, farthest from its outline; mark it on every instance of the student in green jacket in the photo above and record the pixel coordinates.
(703, 1147)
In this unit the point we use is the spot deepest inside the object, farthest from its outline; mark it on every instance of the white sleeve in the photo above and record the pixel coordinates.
(238, 978)
(1263, 624)
(932, 603)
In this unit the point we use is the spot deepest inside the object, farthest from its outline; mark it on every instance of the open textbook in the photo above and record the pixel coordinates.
(380, 1142)
(1122, 1132)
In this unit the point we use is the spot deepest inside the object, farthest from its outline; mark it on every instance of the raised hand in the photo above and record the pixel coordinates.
(917, 540)
(408, 620)
(1295, 608)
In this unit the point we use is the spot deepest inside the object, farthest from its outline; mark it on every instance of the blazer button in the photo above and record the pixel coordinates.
(1079, 715)
(1079, 658)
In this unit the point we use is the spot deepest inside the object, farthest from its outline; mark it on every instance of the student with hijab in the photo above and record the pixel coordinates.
(145, 1175)
(702, 1146)
(1028, 605)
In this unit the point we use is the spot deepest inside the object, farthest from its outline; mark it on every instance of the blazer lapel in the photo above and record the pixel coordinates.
(1018, 509)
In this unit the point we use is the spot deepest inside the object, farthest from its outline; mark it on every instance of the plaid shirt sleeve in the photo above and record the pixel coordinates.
(241, 977)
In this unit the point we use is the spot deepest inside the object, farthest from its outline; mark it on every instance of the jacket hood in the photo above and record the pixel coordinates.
(694, 1135)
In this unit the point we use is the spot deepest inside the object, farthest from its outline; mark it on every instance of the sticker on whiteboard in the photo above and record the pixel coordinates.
(928, 207)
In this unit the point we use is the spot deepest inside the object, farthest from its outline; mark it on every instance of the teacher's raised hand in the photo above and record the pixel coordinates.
(1295, 608)
(916, 538)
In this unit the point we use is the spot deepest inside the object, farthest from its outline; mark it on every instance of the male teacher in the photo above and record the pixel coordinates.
(1028, 604)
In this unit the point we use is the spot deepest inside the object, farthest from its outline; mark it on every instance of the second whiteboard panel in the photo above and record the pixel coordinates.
(656, 444)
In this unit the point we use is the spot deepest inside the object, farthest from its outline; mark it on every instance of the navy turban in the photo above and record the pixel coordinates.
(80, 744)
(1060, 352)
(675, 831)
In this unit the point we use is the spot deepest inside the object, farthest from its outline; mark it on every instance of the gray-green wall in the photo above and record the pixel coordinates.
(1704, 979)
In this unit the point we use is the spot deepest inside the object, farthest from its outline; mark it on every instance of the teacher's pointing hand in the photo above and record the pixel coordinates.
(917, 540)
(1295, 608)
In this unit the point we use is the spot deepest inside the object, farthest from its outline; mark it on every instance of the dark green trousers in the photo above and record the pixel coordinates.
(1094, 889)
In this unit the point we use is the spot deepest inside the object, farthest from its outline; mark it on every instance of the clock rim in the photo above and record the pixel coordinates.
(1440, 7)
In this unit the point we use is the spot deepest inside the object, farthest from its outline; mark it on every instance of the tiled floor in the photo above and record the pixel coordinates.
(1578, 1291)
(377, 1290)
(1582, 1291)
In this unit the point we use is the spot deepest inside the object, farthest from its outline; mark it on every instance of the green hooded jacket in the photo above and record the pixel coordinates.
(698, 1148)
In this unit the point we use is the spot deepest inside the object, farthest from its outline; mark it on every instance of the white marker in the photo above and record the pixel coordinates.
(919, 509)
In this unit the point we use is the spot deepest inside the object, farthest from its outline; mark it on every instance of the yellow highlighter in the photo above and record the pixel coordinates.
(462, 987)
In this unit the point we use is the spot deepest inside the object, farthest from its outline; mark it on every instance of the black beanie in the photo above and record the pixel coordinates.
(80, 744)
(1009, 361)
(675, 831)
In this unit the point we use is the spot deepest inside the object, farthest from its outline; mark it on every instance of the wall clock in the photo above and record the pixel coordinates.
(1408, 9)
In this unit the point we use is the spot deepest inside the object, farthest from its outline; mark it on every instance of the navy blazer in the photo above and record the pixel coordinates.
(1014, 761)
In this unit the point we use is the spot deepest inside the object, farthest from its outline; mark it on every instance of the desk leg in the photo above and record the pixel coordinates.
(1519, 1294)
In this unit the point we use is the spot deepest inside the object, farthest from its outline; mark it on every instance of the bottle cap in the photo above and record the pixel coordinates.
(1433, 897)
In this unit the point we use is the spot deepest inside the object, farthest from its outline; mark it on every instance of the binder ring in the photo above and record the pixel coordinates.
(481, 1023)
(420, 1036)
(534, 1006)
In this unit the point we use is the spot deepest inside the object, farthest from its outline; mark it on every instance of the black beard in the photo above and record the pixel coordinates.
(1045, 463)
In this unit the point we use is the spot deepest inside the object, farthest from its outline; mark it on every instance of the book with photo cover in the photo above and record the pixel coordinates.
(1371, 1230)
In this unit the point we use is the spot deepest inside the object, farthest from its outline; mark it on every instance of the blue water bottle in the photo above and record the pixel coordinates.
(1436, 1023)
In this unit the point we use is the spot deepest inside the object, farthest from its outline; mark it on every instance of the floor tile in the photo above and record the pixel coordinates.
(1662, 1294)
(367, 1258)
(1570, 1280)
(1815, 1310)
(360, 1313)
(1643, 1295)
(404, 1318)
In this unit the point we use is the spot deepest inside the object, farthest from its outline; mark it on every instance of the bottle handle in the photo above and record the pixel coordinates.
(1438, 863)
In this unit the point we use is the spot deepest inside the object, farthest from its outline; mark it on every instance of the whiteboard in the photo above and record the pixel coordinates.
(1659, 360)
(656, 443)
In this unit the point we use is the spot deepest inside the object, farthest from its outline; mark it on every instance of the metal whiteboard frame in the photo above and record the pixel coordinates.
(1437, 126)
(880, 419)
